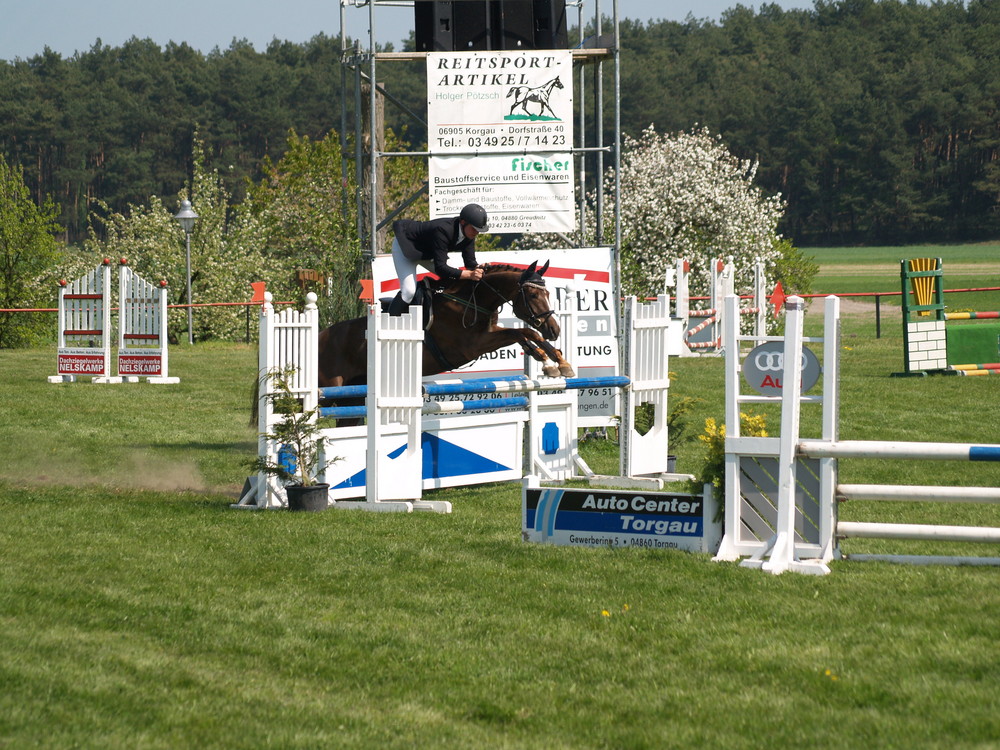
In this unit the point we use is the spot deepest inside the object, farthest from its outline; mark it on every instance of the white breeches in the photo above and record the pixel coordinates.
(406, 271)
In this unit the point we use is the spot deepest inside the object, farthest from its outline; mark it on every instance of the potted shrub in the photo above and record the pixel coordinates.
(300, 442)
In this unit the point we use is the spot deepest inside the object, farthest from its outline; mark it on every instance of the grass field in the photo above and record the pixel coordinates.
(139, 611)
(876, 269)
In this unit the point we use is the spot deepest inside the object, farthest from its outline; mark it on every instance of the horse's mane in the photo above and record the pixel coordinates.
(489, 269)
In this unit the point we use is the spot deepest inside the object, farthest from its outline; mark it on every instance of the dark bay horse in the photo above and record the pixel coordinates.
(463, 327)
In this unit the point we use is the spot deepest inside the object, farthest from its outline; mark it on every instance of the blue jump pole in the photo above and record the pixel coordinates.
(523, 385)
(491, 385)
(344, 391)
(447, 407)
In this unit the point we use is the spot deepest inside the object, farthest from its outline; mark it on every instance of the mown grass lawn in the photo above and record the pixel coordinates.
(139, 610)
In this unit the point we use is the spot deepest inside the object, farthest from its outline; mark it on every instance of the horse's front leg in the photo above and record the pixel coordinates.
(560, 366)
(538, 348)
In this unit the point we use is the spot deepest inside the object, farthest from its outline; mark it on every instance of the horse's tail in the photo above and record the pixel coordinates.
(512, 92)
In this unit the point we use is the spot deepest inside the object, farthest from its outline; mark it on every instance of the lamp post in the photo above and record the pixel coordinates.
(186, 216)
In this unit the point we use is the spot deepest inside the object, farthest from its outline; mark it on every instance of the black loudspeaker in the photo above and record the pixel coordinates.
(446, 26)
(513, 25)
(473, 30)
(432, 26)
(459, 25)
(550, 24)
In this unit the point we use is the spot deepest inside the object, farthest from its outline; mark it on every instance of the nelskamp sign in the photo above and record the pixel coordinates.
(500, 131)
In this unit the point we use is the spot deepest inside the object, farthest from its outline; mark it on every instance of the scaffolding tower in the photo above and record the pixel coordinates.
(590, 153)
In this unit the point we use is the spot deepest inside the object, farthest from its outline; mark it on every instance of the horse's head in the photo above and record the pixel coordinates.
(557, 83)
(531, 302)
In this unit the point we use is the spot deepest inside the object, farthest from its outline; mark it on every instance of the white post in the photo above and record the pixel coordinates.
(161, 314)
(394, 403)
(548, 409)
(372, 480)
(142, 329)
(759, 300)
(723, 285)
(265, 495)
(782, 546)
(783, 549)
(649, 330)
(731, 349)
(683, 304)
(831, 426)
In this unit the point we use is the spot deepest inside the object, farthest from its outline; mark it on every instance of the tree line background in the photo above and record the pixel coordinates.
(878, 122)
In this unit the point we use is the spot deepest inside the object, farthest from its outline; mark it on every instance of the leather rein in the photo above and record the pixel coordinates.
(537, 320)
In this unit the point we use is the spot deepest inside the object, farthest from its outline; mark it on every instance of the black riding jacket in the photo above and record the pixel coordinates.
(433, 240)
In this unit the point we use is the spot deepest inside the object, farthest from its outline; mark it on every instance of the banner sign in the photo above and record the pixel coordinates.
(764, 368)
(81, 361)
(520, 193)
(506, 119)
(616, 518)
(588, 271)
(150, 362)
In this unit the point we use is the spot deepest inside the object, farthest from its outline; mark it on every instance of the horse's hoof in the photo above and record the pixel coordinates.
(567, 371)
(550, 371)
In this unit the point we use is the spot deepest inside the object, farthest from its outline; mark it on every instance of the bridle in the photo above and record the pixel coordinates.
(537, 320)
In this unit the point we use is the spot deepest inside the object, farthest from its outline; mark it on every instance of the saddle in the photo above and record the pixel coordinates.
(395, 305)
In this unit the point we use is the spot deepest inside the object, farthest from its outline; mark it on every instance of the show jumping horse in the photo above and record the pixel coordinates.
(540, 94)
(463, 327)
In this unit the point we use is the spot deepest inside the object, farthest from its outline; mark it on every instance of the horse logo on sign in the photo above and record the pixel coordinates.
(523, 95)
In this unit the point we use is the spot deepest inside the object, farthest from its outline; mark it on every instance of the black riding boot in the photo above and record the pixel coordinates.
(397, 307)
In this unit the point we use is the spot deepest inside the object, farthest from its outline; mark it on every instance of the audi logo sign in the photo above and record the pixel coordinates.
(764, 368)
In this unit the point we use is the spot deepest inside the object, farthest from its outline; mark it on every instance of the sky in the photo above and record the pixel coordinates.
(70, 26)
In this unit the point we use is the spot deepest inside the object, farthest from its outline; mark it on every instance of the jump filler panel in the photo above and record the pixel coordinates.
(613, 518)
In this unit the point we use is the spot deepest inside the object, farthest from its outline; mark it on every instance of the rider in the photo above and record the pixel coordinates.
(419, 243)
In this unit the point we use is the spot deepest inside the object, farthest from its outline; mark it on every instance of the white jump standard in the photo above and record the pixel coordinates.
(792, 524)
(425, 444)
(85, 328)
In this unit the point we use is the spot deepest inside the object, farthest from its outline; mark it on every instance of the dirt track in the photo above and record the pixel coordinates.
(848, 306)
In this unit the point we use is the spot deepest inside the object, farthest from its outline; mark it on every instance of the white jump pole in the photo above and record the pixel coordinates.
(886, 449)
(907, 493)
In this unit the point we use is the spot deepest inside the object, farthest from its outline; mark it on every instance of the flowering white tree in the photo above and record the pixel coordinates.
(686, 197)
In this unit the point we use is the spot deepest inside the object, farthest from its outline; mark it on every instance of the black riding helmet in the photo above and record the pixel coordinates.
(475, 215)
